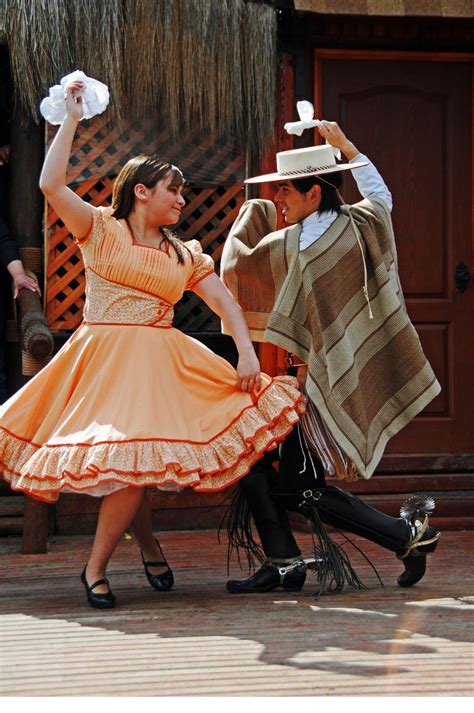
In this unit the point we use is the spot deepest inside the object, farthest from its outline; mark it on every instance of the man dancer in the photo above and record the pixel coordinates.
(327, 290)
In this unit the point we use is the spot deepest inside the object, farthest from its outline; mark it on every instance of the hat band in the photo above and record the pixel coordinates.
(308, 169)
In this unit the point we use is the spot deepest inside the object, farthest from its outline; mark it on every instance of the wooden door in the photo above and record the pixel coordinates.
(412, 115)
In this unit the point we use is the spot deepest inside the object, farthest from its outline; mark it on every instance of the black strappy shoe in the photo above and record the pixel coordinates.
(98, 601)
(161, 582)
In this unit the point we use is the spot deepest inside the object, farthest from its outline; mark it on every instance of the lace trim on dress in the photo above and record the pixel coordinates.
(44, 471)
(110, 303)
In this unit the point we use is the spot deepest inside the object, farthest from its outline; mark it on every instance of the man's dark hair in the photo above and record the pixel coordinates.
(329, 198)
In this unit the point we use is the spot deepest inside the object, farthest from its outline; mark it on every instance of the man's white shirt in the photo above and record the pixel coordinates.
(370, 184)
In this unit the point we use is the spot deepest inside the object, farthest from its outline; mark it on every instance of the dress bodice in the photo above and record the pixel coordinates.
(128, 283)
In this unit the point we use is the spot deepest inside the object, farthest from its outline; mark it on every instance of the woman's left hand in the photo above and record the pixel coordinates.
(248, 372)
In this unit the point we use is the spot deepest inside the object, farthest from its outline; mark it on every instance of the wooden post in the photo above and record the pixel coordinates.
(26, 213)
(35, 527)
(36, 337)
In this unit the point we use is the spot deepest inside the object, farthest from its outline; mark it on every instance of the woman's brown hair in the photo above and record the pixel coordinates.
(147, 170)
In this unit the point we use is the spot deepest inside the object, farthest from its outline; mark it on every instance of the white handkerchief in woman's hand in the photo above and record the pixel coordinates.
(95, 98)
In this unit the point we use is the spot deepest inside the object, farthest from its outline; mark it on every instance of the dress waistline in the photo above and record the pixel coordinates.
(127, 324)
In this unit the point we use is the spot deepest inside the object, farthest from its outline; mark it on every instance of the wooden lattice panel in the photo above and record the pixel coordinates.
(101, 148)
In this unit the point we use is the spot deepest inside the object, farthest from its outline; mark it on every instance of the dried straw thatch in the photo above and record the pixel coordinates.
(3, 36)
(204, 63)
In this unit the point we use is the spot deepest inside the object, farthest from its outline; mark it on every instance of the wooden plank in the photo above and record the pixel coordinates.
(217, 205)
(12, 505)
(77, 514)
(193, 203)
(414, 482)
(442, 463)
(197, 640)
(11, 525)
(73, 504)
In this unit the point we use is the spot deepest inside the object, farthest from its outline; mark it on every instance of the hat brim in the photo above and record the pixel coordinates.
(269, 177)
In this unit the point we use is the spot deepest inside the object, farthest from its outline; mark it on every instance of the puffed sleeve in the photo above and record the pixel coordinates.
(203, 264)
(96, 233)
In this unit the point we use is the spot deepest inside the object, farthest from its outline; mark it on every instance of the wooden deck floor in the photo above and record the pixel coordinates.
(197, 640)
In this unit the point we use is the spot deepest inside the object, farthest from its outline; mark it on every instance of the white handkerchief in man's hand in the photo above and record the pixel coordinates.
(307, 121)
(95, 98)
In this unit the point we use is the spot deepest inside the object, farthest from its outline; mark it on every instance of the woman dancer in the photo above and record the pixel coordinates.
(129, 401)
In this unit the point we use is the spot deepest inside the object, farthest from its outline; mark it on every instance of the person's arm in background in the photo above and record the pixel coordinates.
(10, 257)
(369, 181)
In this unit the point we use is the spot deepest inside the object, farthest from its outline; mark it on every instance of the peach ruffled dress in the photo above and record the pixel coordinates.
(130, 400)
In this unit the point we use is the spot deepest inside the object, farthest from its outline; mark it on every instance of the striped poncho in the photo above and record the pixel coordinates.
(368, 377)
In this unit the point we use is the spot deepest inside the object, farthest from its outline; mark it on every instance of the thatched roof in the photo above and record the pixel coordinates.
(204, 63)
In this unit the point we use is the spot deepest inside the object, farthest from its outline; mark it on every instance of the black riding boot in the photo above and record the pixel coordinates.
(270, 516)
(410, 537)
(349, 513)
(271, 520)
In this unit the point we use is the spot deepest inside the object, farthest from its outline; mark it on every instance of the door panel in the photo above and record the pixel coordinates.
(413, 119)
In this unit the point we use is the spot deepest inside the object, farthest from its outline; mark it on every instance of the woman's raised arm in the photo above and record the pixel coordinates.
(73, 211)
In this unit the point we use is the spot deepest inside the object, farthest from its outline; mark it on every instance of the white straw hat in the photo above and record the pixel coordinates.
(301, 163)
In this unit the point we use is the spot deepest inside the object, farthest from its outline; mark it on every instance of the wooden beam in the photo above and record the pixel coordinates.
(27, 151)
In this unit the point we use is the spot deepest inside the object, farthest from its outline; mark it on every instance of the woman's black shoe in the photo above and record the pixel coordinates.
(267, 579)
(161, 582)
(98, 601)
